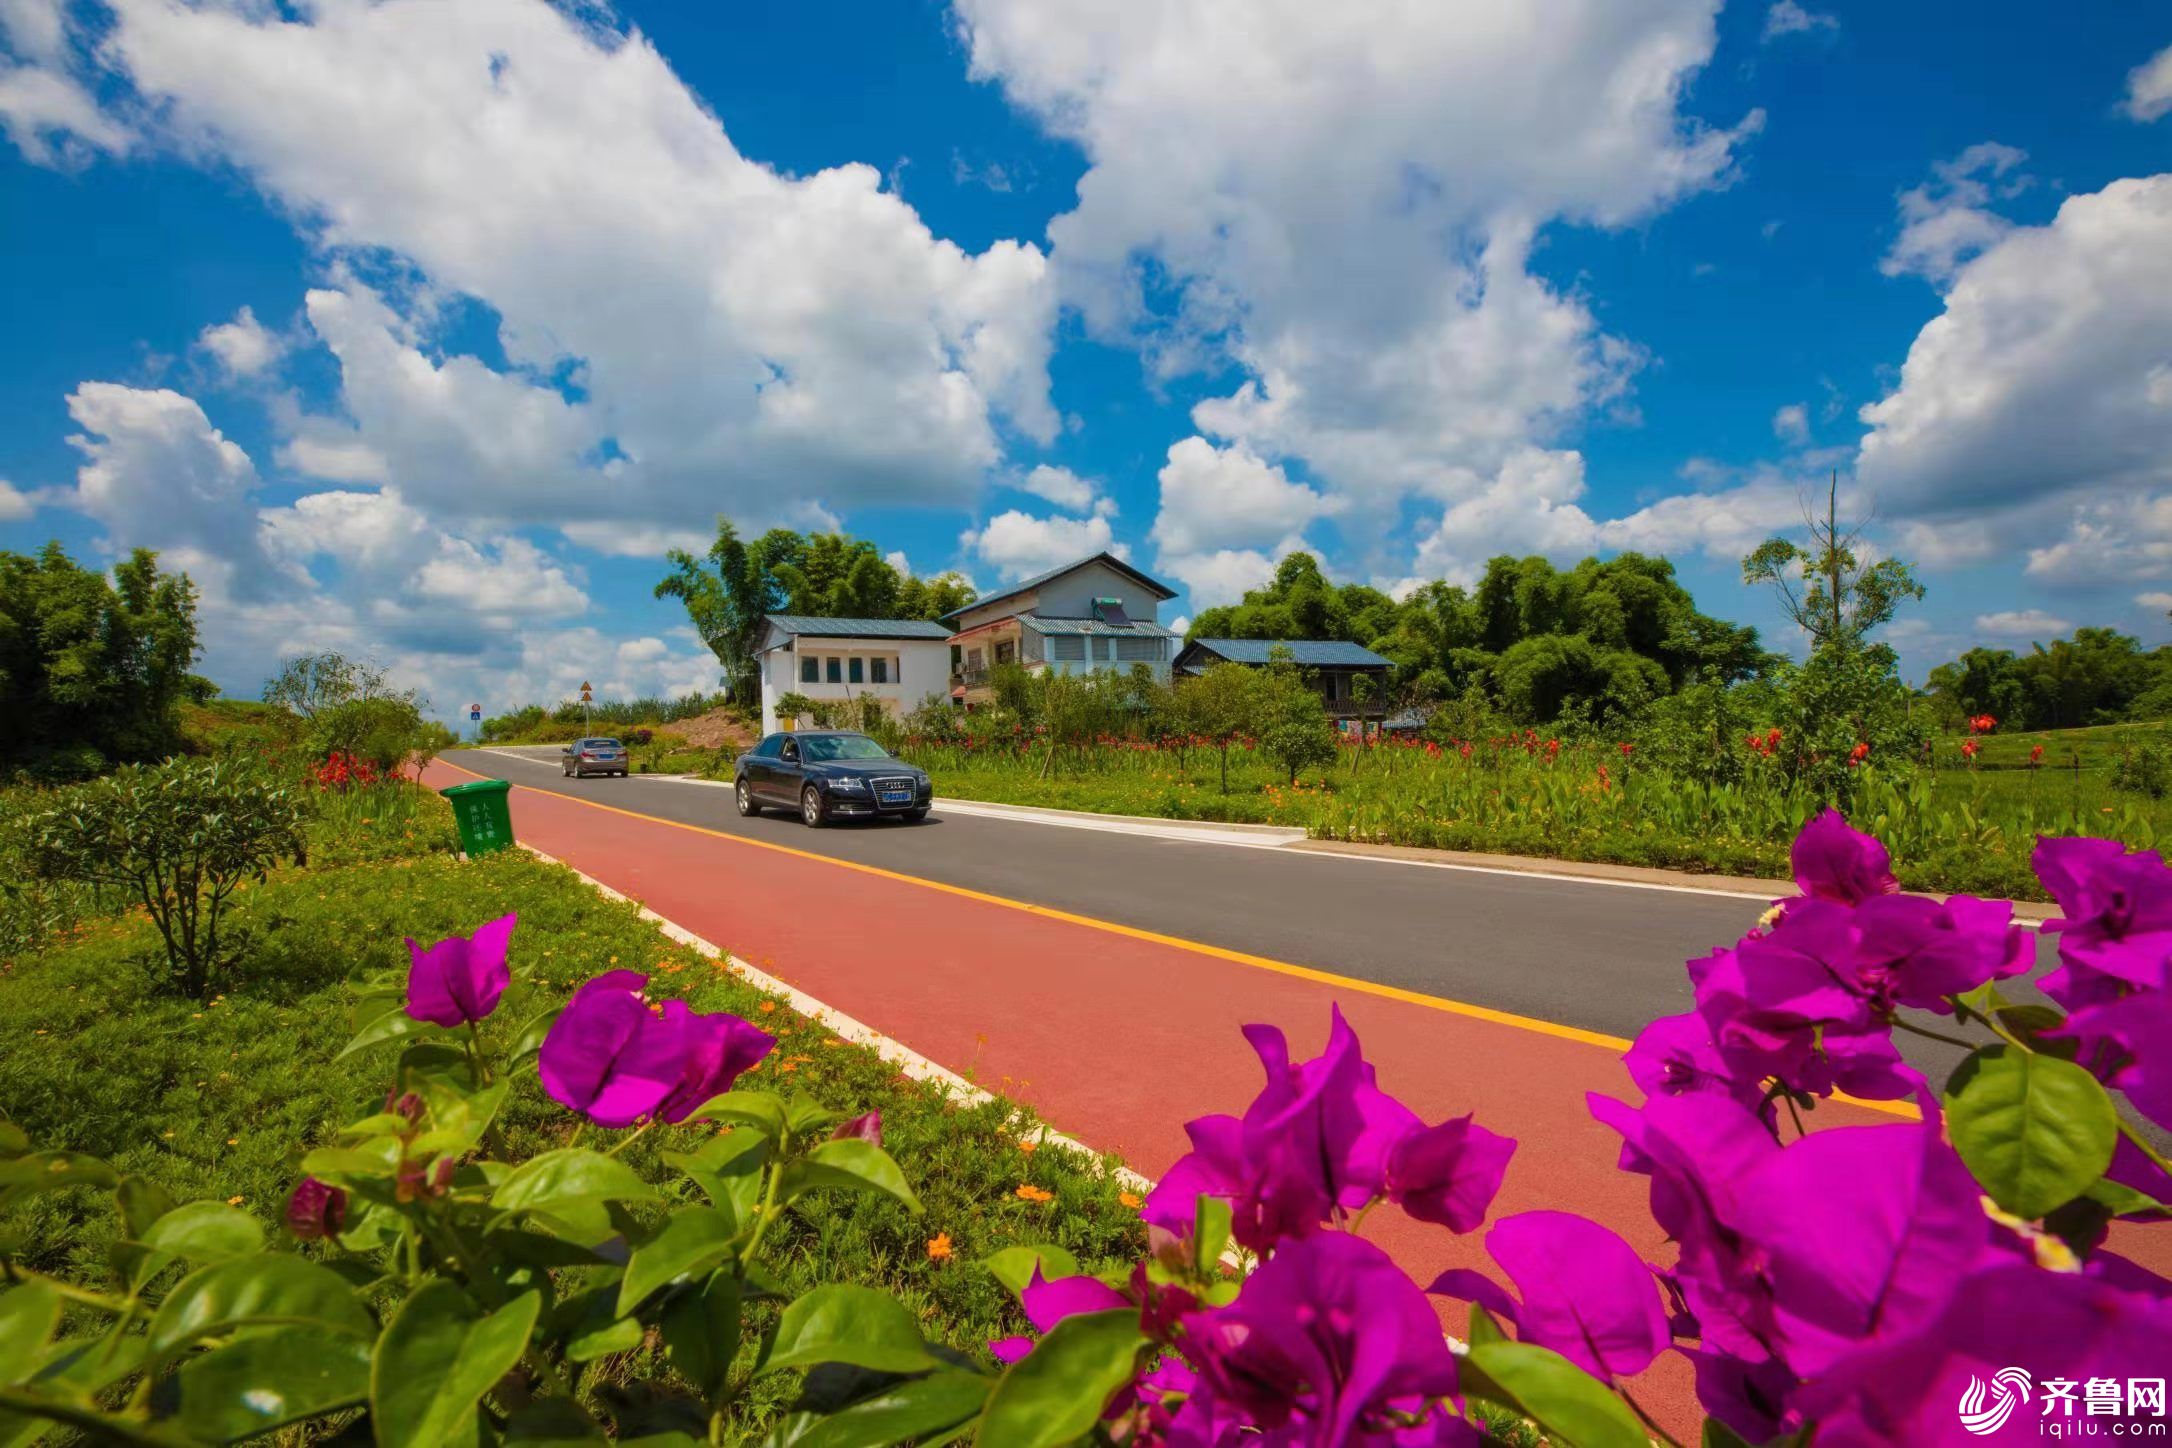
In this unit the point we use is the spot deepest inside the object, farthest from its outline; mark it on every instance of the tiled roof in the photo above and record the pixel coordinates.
(1027, 585)
(859, 628)
(1307, 653)
(1042, 624)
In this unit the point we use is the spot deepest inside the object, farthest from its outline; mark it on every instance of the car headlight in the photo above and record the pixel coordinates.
(849, 784)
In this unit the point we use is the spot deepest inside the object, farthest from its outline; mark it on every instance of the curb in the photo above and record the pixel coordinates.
(1258, 836)
(908, 1061)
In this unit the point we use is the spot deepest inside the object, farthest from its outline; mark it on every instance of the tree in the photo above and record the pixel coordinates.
(313, 683)
(1841, 598)
(728, 590)
(1293, 728)
(1218, 706)
(93, 670)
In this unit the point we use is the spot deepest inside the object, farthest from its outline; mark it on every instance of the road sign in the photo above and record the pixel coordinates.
(476, 713)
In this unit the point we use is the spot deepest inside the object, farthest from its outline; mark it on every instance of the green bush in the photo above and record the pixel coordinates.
(385, 731)
(2144, 769)
(178, 838)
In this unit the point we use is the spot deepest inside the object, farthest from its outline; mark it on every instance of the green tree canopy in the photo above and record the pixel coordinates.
(2099, 676)
(829, 575)
(1596, 639)
(91, 668)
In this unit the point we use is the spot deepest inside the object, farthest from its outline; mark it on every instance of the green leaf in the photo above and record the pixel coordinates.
(1575, 1409)
(854, 1325)
(2034, 1130)
(802, 1116)
(701, 1332)
(1013, 1266)
(438, 1356)
(910, 1411)
(206, 1232)
(14, 1141)
(28, 1315)
(758, 1109)
(692, 1239)
(392, 1025)
(271, 1288)
(554, 1423)
(1055, 1393)
(1211, 1219)
(1483, 1328)
(567, 1177)
(530, 1040)
(607, 1336)
(1719, 1435)
(268, 1380)
(2121, 1200)
(141, 1202)
(51, 1171)
(851, 1165)
(728, 1169)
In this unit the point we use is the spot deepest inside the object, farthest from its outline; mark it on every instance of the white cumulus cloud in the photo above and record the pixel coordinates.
(2024, 623)
(2149, 87)
(244, 347)
(1020, 545)
(1945, 221)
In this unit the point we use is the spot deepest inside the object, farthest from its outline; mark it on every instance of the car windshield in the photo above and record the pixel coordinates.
(599, 744)
(820, 747)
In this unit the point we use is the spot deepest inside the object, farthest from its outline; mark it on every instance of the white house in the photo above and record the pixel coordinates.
(1097, 613)
(898, 661)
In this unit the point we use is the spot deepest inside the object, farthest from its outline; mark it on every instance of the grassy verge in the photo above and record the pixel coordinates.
(1962, 825)
(221, 1100)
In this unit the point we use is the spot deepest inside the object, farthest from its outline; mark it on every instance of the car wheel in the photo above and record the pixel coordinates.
(565, 770)
(748, 809)
(811, 812)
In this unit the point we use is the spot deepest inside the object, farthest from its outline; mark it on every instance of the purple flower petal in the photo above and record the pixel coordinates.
(2127, 1043)
(1450, 1173)
(460, 979)
(1586, 1293)
(1916, 952)
(1834, 862)
(607, 1055)
(1048, 1303)
(719, 1049)
(316, 1209)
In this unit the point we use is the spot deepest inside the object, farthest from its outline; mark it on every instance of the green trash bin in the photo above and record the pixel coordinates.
(483, 814)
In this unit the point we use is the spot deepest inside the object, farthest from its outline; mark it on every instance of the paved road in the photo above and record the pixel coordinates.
(1591, 955)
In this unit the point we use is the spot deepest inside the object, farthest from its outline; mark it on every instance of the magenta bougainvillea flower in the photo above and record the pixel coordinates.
(1675, 1055)
(866, 1127)
(1911, 951)
(609, 1056)
(1047, 1303)
(1833, 862)
(1330, 1335)
(1448, 1173)
(1321, 1140)
(2116, 933)
(719, 1048)
(2127, 1043)
(1584, 1292)
(458, 981)
(316, 1209)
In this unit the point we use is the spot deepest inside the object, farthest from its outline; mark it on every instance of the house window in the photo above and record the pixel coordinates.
(834, 670)
(1101, 650)
(856, 669)
(880, 671)
(1139, 650)
(973, 660)
(1067, 648)
(1006, 652)
(810, 669)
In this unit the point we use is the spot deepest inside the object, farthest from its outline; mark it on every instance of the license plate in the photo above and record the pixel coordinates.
(896, 796)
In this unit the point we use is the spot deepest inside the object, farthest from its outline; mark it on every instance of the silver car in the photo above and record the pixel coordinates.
(594, 756)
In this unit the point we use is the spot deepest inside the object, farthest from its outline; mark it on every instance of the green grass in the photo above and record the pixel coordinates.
(1959, 826)
(221, 1100)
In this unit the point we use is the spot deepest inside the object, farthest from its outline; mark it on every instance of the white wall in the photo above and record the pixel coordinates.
(1073, 594)
(923, 668)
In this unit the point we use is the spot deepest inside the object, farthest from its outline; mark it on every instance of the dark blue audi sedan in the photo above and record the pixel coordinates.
(827, 774)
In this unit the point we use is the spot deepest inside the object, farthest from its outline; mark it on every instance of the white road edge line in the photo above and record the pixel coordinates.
(908, 1061)
(1206, 838)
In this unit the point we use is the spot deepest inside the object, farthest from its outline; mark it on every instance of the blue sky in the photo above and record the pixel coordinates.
(421, 330)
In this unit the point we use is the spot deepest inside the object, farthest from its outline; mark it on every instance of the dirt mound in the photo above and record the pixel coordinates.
(713, 730)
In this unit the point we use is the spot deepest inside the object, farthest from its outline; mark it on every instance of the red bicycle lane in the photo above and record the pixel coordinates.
(1116, 1036)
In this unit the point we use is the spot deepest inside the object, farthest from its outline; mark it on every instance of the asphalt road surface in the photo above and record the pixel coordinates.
(1590, 954)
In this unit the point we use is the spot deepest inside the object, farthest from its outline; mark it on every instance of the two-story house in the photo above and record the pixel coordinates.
(1097, 613)
(897, 661)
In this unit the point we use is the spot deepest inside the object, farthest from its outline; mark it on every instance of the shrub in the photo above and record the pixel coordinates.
(2144, 769)
(383, 732)
(179, 838)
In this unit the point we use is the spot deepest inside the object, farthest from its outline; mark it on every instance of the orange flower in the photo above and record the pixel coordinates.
(1029, 1147)
(768, 1006)
(1129, 1199)
(939, 1247)
(1028, 1192)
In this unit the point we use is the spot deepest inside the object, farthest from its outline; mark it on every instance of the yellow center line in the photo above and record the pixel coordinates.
(1614, 1044)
